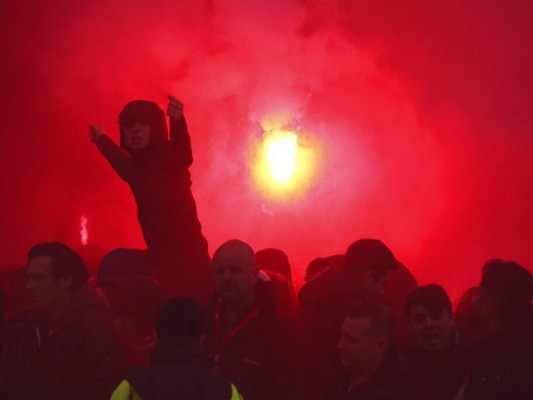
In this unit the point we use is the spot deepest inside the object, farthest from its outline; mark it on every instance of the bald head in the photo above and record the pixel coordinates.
(234, 272)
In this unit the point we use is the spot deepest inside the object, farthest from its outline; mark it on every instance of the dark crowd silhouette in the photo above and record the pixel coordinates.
(169, 322)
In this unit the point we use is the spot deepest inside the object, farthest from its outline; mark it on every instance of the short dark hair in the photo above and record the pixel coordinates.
(180, 321)
(509, 285)
(369, 255)
(432, 297)
(378, 315)
(65, 262)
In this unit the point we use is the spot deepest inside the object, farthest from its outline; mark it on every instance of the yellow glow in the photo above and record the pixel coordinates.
(283, 162)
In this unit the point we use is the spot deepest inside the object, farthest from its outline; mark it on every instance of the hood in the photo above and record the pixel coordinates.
(144, 111)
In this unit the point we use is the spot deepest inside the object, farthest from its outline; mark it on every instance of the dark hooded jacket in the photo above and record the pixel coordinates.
(260, 359)
(75, 358)
(160, 181)
(503, 366)
(177, 373)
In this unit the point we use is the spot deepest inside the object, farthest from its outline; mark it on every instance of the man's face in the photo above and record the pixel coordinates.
(432, 331)
(234, 276)
(137, 135)
(360, 347)
(44, 290)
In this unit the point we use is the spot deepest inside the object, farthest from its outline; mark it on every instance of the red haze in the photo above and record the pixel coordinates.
(422, 110)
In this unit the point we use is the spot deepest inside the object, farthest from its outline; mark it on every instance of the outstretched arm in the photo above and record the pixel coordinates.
(179, 134)
(119, 159)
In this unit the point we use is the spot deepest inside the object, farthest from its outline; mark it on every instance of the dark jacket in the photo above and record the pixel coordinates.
(160, 181)
(260, 358)
(503, 369)
(75, 358)
(387, 383)
(177, 374)
(435, 375)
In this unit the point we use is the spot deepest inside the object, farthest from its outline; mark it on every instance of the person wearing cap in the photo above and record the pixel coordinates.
(157, 171)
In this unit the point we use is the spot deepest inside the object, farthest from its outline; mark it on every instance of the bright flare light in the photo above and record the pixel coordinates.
(84, 230)
(281, 150)
(283, 162)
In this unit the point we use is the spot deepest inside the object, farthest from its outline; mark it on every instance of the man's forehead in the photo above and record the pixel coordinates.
(356, 324)
(237, 254)
(39, 264)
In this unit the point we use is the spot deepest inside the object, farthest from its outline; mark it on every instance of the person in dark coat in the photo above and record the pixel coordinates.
(178, 370)
(157, 171)
(437, 365)
(325, 300)
(502, 315)
(371, 365)
(66, 347)
(250, 341)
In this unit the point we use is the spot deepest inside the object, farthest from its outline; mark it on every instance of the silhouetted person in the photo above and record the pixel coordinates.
(367, 355)
(250, 340)
(436, 365)
(468, 336)
(274, 260)
(502, 315)
(137, 305)
(178, 370)
(319, 264)
(286, 300)
(116, 268)
(66, 347)
(157, 171)
(325, 300)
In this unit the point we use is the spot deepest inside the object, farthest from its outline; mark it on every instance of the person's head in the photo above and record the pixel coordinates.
(286, 300)
(429, 311)
(54, 272)
(504, 296)
(117, 267)
(319, 264)
(365, 338)
(142, 124)
(371, 263)
(234, 272)
(274, 260)
(180, 323)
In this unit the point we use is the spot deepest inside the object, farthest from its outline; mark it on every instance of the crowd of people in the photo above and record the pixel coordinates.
(171, 322)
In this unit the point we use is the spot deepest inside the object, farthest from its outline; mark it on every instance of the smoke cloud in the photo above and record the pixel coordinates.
(420, 115)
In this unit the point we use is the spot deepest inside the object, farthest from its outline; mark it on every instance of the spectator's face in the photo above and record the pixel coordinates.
(45, 291)
(137, 135)
(432, 331)
(234, 275)
(360, 347)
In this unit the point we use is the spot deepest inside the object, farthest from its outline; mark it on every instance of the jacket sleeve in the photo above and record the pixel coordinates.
(119, 159)
(180, 142)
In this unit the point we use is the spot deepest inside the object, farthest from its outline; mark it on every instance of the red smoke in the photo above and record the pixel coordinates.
(422, 112)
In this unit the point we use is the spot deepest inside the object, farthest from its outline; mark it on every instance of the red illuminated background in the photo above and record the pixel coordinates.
(416, 117)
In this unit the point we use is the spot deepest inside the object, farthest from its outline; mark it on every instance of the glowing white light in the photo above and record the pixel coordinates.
(84, 230)
(281, 153)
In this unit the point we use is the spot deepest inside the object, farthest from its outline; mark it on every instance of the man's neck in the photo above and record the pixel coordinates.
(235, 309)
